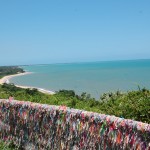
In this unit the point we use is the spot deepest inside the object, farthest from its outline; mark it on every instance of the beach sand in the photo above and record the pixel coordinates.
(6, 78)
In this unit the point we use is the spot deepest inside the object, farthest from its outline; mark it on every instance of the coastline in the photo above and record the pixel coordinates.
(7, 78)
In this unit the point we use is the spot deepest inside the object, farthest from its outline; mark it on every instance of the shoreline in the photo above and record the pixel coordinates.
(7, 78)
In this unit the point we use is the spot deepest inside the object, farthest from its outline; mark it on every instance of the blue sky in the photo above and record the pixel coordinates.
(36, 32)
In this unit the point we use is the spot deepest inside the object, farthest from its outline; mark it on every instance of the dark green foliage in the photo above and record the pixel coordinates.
(10, 87)
(130, 105)
(73, 103)
(67, 93)
(7, 146)
(9, 70)
(31, 91)
(85, 96)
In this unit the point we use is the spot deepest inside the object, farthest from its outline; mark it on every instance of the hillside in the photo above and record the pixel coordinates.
(10, 70)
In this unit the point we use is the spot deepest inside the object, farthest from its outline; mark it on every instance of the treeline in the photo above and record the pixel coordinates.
(130, 105)
(10, 70)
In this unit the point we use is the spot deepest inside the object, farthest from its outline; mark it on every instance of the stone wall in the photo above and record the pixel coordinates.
(42, 126)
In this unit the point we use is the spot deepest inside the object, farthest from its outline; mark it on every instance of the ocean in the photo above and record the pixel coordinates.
(94, 78)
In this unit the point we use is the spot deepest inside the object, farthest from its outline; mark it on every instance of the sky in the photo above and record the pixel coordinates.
(63, 31)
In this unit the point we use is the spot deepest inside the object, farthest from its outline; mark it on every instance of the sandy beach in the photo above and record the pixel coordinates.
(39, 89)
(4, 79)
(7, 78)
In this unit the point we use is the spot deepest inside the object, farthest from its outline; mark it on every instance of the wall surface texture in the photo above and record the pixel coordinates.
(42, 126)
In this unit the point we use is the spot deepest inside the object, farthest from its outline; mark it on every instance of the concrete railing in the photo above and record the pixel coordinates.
(41, 126)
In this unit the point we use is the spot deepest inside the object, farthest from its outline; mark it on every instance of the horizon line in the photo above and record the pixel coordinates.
(79, 62)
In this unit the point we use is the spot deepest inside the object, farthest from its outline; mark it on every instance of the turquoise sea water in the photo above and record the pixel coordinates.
(94, 78)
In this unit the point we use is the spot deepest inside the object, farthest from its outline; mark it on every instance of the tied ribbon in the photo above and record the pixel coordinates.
(59, 127)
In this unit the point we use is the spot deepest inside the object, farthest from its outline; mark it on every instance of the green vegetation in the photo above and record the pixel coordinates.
(130, 105)
(6, 146)
(9, 70)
